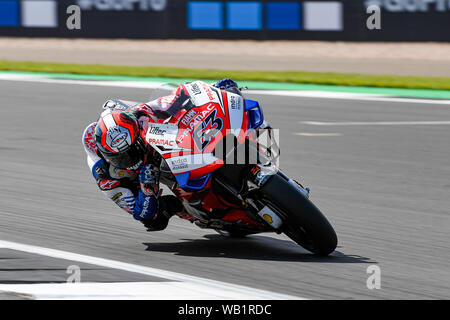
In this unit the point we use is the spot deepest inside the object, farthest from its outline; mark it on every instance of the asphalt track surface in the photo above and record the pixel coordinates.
(385, 189)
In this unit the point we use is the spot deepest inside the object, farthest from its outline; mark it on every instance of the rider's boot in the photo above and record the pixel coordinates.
(168, 206)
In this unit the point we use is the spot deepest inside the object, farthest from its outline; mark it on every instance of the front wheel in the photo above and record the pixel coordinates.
(302, 220)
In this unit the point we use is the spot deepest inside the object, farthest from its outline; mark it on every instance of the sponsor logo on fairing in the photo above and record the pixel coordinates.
(190, 162)
(163, 135)
(209, 92)
(268, 218)
(188, 117)
(156, 131)
(161, 142)
(179, 164)
(267, 214)
(200, 93)
(235, 102)
(195, 89)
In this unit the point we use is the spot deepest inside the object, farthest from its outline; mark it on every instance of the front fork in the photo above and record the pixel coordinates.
(259, 175)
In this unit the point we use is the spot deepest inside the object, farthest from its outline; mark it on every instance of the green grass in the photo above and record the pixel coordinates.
(343, 79)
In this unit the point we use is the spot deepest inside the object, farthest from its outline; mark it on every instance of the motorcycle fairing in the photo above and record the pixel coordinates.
(187, 141)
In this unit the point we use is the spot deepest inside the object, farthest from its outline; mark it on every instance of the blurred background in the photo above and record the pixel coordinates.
(325, 36)
(402, 20)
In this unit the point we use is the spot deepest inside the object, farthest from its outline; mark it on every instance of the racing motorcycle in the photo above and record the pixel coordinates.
(212, 157)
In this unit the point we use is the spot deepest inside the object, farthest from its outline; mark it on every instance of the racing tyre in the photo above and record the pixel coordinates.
(302, 220)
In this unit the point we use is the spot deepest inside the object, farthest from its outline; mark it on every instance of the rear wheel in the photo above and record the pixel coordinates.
(302, 220)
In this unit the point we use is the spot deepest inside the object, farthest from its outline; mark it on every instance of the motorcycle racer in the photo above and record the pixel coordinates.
(124, 166)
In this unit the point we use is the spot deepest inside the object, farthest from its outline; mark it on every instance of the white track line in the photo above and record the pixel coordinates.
(377, 123)
(126, 291)
(201, 288)
(346, 96)
(122, 84)
(285, 93)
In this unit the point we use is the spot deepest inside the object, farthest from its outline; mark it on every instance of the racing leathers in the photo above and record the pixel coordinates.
(137, 191)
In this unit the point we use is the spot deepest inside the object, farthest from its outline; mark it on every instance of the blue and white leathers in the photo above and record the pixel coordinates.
(110, 180)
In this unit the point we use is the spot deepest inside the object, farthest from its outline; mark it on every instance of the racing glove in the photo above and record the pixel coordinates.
(168, 206)
(147, 199)
(149, 179)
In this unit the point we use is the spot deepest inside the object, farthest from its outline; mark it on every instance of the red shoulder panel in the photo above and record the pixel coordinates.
(88, 138)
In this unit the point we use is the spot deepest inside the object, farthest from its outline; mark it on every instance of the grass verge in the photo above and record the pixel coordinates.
(325, 78)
